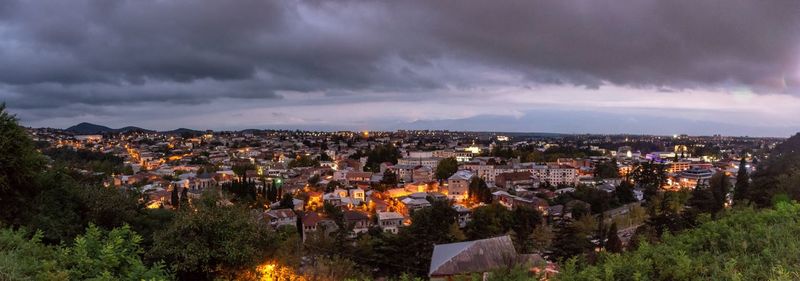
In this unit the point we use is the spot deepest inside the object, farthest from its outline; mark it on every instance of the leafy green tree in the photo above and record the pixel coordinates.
(740, 191)
(115, 255)
(26, 258)
(666, 211)
(95, 255)
(607, 170)
(651, 176)
(446, 168)
(20, 163)
(489, 221)
(411, 250)
(379, 154)
(213, 242)
(524, 221)
(65, 207)
(479, 191)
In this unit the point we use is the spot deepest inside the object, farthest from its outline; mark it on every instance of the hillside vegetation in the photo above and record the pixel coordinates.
(746, 244)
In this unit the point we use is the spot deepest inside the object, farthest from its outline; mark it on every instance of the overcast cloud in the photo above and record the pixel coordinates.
(394, 64)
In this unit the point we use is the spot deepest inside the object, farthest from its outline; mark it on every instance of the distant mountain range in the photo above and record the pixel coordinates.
(89, 128)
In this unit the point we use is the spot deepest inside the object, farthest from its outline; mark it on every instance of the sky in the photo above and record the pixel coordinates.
(728, 67)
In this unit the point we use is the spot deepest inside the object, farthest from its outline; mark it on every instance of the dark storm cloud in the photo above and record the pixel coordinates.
(101, 52)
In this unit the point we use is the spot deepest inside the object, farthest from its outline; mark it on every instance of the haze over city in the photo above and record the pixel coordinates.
(650, 67)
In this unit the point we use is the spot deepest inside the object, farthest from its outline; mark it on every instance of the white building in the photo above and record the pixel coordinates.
(390, 221)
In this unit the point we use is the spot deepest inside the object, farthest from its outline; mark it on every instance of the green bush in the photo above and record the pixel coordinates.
(743, 245)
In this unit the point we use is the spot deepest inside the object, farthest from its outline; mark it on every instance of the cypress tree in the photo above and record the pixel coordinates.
(174, 199)
(740, 191)
(613, 243)
(184, 198)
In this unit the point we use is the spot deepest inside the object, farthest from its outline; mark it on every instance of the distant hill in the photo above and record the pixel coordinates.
(181, 131)
(133, 129)
(89, 128)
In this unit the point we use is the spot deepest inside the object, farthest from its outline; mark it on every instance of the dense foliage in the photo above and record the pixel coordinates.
(212, 240)
(446, 168)
(87, 160)
(743, 245)
(95, 255)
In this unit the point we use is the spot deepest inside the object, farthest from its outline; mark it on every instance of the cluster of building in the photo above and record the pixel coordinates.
(196, 161)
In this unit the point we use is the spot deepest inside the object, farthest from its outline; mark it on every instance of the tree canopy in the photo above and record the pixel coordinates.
(744, 245)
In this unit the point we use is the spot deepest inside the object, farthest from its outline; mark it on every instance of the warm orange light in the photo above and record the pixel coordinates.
(271, 271)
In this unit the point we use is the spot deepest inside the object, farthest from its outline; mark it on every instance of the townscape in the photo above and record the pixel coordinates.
(414, 140)
(542, 198)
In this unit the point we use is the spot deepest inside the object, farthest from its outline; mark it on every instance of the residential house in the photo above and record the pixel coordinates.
(458, 185)
(390, 221)
(281, 217)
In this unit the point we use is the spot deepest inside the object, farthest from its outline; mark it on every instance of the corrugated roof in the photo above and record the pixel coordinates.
(472, 256)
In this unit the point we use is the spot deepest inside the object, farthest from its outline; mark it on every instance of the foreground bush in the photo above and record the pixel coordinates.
(744, 245)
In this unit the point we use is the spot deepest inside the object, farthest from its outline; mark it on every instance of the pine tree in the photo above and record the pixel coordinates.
(720, 186)
(742, 187)
(613, 243)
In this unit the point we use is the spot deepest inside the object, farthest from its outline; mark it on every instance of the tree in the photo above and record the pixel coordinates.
(313, 180)
(613, 243)
(479, 191)
(542, 238)
(571, 241)
(214, 241)
(524, 221)
(740, 191)
(96, 255)
(184, 204)
(19, 165)
(778, 174)
(332, 185)
(287, 201)
(241, 170)
(113, 255)
(413, 246)
(303, 161)
(607, 170)
(731, 248)
(624, 192)
(389, 178)
(446, 168)
(720, 186)
(488, 221)
(174, 199)
(651, 176)
(379, 154)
